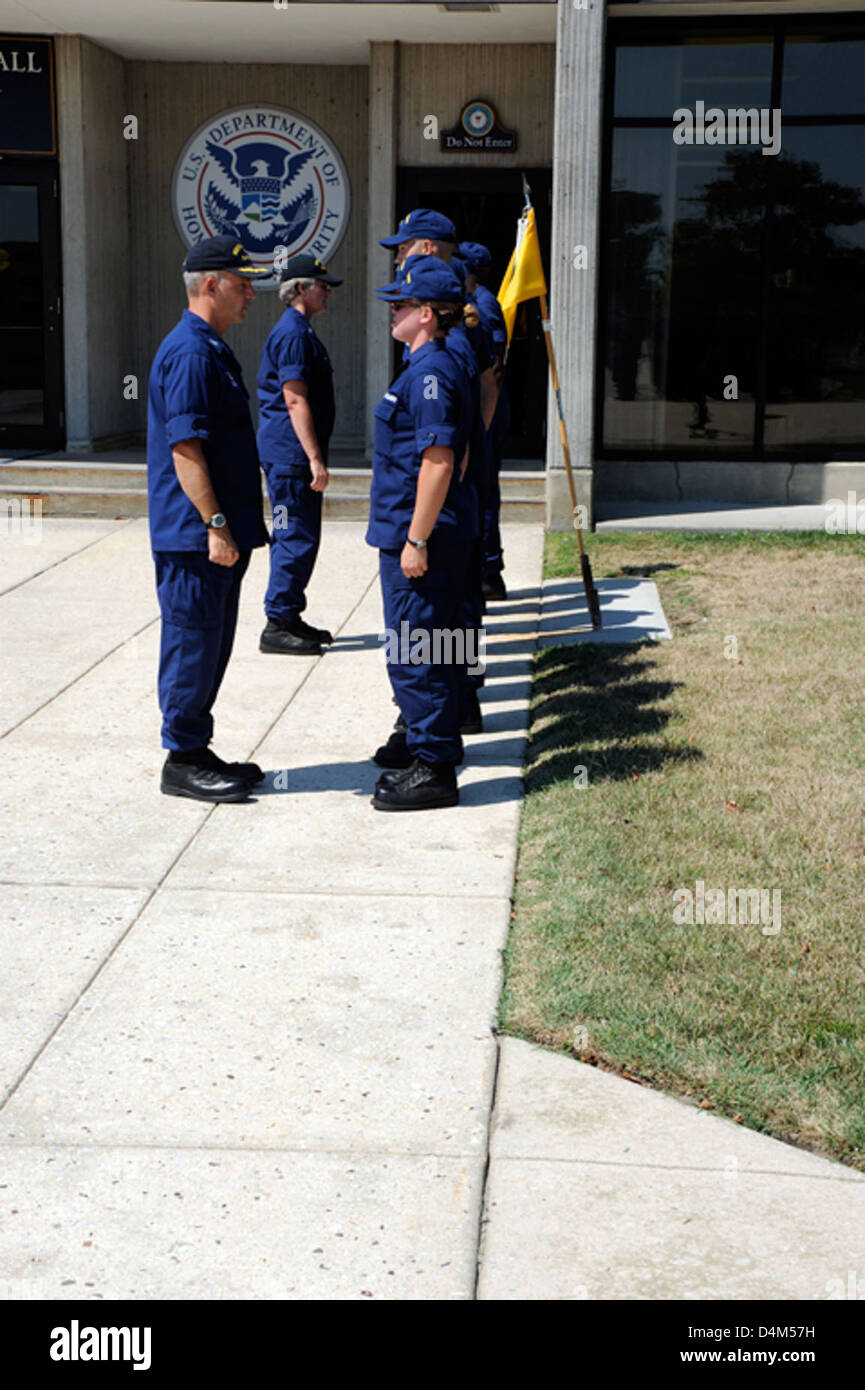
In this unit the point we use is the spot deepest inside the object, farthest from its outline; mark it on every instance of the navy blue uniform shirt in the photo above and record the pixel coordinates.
(467, 346)
(197, 392)
(466, 359)
(293, 352)
(426, 405)
(480, 342)
(492, 318)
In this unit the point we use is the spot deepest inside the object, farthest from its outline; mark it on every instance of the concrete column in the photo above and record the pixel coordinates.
(73, 224)
(576, 207)
(383, 94)
(94, 219)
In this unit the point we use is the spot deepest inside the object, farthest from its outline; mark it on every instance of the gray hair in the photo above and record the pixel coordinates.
(194, 279)
(290, 289)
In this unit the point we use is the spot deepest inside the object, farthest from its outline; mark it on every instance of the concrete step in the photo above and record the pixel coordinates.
(118, 504)
(119, 490)
(34, 474)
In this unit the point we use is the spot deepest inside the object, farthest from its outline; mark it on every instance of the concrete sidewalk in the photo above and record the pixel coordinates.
(713, 516)
(599, 1188)
(248, 1051)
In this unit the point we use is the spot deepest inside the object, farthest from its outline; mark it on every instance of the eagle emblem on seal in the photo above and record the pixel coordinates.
(259, 193)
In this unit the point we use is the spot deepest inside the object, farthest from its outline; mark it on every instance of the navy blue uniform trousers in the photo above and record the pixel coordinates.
(294, 543)
(198, 602)
(429, 694)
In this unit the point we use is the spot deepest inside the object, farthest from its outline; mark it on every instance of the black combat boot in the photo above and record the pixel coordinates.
(421, 787)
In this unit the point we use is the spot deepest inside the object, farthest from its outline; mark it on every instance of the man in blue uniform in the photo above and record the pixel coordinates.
(422, 232)
(478, 261)
(205, 511)
(296, 414)
(421, 520)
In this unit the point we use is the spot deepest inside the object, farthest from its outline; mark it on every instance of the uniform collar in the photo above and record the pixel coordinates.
(297, 316)
(194, 320)
(200, 325)
(434, 345)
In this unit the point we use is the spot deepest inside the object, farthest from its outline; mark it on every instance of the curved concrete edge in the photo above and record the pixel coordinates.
(602, 1189)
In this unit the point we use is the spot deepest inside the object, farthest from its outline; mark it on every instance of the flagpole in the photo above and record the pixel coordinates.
(528, 272)
(592, 600)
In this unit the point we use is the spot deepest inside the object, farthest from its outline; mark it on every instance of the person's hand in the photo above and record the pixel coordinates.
(413, 562)
(221, 548)
(320, 475)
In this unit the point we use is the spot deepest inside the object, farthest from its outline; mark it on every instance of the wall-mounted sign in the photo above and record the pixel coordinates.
(27, 121)
(267, 176)
(478, 129)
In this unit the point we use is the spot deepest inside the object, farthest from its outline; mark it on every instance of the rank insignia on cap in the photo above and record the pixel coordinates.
(236, 250)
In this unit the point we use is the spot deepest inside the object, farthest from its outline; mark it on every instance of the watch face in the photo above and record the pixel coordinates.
(217, 521)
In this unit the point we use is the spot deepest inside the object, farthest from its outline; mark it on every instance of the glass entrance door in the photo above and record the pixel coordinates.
(31, 353)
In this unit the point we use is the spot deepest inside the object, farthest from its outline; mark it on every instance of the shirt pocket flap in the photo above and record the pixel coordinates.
(386, 408)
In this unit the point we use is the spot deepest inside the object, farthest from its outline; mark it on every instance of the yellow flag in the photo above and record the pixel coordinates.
(524, 277)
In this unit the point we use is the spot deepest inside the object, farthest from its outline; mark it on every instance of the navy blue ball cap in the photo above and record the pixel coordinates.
(474, 254)
(307, 267)
(223, 253)
(400, 273)
(424, 277)
(460, 268)
(423, 222)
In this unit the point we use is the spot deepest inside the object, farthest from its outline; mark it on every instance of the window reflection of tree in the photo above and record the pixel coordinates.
(693, 297)
(636, 240)
(814, 319)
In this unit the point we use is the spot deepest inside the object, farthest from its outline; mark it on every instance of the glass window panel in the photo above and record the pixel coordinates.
(823, 76)
(22, 360)
(816, 363)
(684, 236)
(19, 212)
(656, 79)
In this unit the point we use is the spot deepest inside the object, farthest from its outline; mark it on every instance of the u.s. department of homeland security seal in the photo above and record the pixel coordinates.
(265, 175)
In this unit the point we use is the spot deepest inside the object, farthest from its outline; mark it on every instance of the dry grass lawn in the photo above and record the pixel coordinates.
(738, 763)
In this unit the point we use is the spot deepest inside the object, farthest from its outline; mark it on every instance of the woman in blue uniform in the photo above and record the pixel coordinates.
(422, 520)
(296, 414)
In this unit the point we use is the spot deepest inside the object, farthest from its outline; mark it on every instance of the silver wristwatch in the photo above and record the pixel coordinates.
(216, 522)
(418, 545)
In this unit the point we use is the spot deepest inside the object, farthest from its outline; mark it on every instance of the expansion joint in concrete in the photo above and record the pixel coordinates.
(482, 1202)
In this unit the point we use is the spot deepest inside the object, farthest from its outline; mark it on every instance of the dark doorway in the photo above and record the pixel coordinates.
(485, 204)
(31, 350)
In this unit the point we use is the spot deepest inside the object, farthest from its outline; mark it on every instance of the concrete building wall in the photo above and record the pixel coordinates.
(122, 251)
(171, 100)
(94, 209)
(438, 79)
